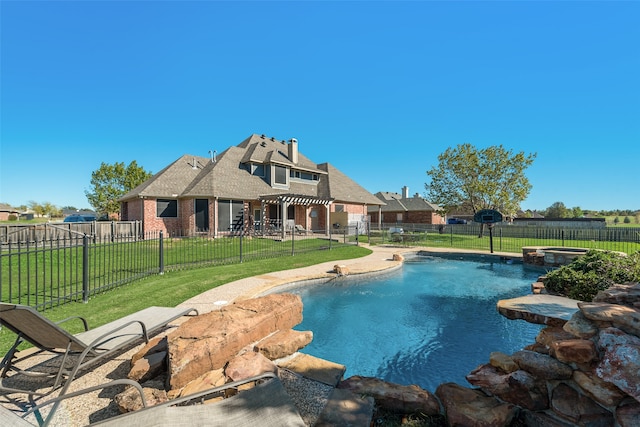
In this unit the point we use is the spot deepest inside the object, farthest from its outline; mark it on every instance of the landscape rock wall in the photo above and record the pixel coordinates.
(586, 372)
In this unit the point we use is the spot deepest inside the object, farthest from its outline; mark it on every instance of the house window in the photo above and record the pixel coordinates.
(399, 217)
(167, 208)
(257, 170)
(305, 176)
(230, 215)
(339, 208)
(280, 175)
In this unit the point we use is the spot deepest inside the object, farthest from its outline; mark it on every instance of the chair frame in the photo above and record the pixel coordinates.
(164, 414)
(15, 419)
(89, 346)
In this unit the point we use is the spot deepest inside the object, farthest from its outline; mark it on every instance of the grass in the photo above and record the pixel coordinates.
(175, 287)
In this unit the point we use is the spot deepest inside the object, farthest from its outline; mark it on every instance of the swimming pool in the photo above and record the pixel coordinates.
(432, 321)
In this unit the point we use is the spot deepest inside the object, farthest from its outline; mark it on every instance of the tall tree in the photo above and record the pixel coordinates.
(489, 178)
(557, 210)
(110, 182)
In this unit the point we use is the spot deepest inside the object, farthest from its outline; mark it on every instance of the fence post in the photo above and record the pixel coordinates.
(85, 269)
(241, 241)
(330, 239)
(293, 239)
(562, 235)
(357, 230)
(161, 254)
(451, 236)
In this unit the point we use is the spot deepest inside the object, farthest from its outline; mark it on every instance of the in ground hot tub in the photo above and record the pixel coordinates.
(550, 256)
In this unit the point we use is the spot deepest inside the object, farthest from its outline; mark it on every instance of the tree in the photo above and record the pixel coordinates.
(557, 210)
(489, 178)
(576, 212)
(110, 182)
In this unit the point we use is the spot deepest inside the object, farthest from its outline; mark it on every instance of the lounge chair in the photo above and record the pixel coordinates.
(266, 404)
(9, 418)
(86, 347)
(301, 230)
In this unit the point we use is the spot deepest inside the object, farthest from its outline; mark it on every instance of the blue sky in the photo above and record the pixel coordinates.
(378, 89)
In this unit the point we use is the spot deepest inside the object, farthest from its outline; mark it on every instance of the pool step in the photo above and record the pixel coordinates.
(314, 368)
(345, 408)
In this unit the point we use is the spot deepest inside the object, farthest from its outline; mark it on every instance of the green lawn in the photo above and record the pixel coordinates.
(175, 287)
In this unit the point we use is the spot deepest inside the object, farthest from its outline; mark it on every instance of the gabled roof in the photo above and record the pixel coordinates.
(342, 188)
(396, 203)
(228, 176)
(7, 208)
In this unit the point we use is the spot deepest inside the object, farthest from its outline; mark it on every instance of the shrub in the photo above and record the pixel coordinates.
(593, 272)
(12, 217)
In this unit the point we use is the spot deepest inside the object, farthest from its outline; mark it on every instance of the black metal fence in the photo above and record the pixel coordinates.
(505, 238)
(73, 267)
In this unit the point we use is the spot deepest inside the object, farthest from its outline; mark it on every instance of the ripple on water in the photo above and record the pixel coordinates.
(432, 321)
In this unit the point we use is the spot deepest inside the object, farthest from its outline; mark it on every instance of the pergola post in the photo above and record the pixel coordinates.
(284, 205)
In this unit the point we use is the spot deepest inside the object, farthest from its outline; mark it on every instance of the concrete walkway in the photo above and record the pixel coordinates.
(380, 259)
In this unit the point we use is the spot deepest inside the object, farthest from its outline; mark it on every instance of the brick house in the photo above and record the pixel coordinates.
(400, 208)
(7, 211)
(261, 184)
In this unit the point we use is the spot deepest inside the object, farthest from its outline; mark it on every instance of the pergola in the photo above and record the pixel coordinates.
(286, 200)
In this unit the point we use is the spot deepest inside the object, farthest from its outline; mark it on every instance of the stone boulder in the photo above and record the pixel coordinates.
(466, 407)
(397, 257)
(204, 382)
(206, 342)
(247, 365)
(503, 361)
(490, 379)
(148, 367)
(628, 413)
(575, 351)
(620, 364)
(578, 408)
(129, 400)
(619, 316)
(517, 387)
(283, 343)
(624, 294)
(341, 270)
(601, 391)
(157, 344)
(542, 366)
(393, 397)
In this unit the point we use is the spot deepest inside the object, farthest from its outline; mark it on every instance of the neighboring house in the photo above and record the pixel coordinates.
(6, 211)
(400, 208)
(259, 185)
(529, 214)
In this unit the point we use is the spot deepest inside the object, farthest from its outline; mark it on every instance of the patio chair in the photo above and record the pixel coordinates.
(36, 412)
(266, 404)
(86, 348)
(301, 230)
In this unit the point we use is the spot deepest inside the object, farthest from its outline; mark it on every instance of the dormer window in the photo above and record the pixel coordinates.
(257, 170)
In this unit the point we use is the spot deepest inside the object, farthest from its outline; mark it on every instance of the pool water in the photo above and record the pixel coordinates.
(432, 321)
